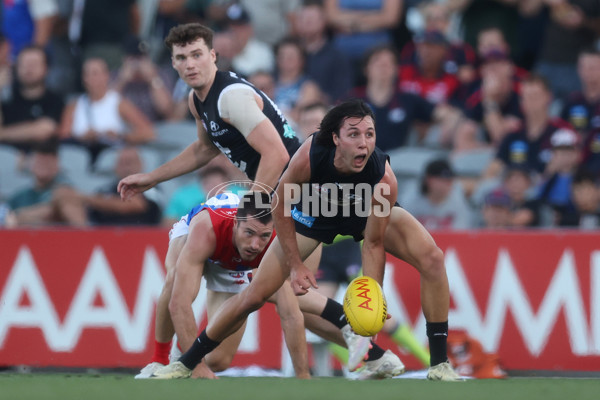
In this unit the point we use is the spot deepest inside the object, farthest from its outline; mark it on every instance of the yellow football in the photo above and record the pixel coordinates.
(365, 306)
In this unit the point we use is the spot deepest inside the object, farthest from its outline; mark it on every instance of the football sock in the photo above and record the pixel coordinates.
(375, 352)
(404, 337)
(201, 347)
(334, 313)
(437, 332)
(161, 352)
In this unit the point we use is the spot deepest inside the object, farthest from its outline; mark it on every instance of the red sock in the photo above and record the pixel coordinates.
(161, 352)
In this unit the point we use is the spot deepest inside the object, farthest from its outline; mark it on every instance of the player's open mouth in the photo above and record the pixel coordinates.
(359, 160)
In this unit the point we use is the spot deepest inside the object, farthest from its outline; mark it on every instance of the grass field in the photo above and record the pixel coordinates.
(115, 387)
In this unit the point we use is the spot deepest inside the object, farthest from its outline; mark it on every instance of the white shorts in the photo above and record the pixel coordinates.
(180, 228)
(218, 279)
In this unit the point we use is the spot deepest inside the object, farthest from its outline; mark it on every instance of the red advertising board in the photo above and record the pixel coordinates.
(86, 298)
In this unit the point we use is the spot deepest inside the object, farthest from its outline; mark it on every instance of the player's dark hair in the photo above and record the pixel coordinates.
(334, 119)
(255, 205)
(188, 33)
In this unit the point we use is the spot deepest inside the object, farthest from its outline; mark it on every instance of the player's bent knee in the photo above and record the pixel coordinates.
(218, 362)
(252, 300)
(432, 263)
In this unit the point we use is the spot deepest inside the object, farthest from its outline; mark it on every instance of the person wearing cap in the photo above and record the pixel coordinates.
(529, 146)
(496, 210)
(492, 110)
(555, 190)
(428, 78)
(460, 58)
(238, 49)
(439, 203)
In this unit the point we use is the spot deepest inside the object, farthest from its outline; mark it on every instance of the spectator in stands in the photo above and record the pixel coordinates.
(293, 89)
(555, 190)
(440, 203)
(529, 146)
(582, 108)
(460, 59)
(144, 83)
(8, 218)
(272, 20)
(6, 73)
(496, 210)
(477, 15)
(41, 204)
(492, 111)
(101, 117)
(188, 196)
(396, 111)
(310, 118)
(428, 78)
(518, 185)
(584, 208)
(106, 206)
(491, 39)
(263, 81)
(100, 28)
(33, 112)
(28, 22)
(238, 49)
(574, 26)
(360, 25)
(325, 64)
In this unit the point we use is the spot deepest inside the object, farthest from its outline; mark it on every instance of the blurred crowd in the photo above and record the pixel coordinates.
(489, 109)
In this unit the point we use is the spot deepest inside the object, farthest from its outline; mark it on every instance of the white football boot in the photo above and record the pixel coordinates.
(175, 370)
(443, 372)
(148, 370)
(358, 347)
(388, 366)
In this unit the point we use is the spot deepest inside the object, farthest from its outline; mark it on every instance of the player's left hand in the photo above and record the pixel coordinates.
(302, 279)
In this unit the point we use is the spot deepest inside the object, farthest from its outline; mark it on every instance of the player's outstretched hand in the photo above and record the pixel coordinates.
(302, 279)
(134, 184)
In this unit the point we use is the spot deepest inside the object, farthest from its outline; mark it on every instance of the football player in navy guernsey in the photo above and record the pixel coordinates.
(341, 167)
(232, 116)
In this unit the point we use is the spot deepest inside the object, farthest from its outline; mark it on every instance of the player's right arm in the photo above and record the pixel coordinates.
(191, 158)
(199, 246)
(297, 173)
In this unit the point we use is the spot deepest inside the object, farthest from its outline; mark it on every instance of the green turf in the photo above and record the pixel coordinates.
(115, 387)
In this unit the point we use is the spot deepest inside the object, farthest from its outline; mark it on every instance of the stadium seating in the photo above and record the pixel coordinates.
(12, 178)
(471, 163)
(410, 162)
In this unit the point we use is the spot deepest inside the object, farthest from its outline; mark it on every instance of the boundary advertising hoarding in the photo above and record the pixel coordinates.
(86, 298)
